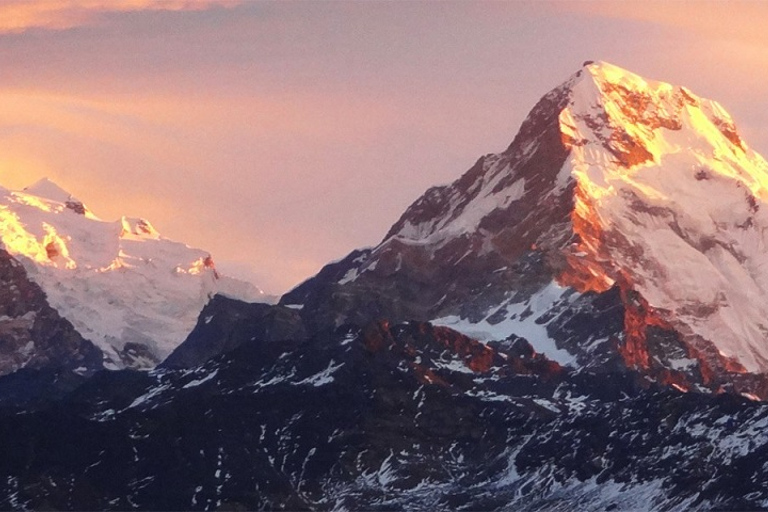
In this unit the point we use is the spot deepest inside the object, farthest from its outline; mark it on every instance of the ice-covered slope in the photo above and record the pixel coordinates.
(132, 292)
(670, 202)
(613, 182)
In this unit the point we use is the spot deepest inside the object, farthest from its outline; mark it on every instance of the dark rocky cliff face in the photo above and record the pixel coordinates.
(225, 324)
(469, 273)
(383, 417)
(32, 334)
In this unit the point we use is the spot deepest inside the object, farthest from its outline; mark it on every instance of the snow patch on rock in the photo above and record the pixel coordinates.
(523, 319)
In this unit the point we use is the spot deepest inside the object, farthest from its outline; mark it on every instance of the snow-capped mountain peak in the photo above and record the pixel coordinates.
(47, 189)
(132, 292)
(668, 202)
(628, 115)
(615, 185)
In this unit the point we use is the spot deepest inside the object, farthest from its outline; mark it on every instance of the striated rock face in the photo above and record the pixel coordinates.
(32, 334)
(619, 196)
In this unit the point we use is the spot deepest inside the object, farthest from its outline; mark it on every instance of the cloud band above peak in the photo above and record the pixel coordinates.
(21, 15)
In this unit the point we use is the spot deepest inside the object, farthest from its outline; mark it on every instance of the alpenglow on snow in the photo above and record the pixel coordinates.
(130, 291)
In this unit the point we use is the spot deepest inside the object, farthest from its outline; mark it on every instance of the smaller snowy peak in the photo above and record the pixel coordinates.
(47, 189)
(132, 292)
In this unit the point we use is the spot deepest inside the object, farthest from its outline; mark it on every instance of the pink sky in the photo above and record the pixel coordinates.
(282, 135)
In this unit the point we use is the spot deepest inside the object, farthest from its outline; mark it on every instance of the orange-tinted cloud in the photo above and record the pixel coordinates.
(21, 15)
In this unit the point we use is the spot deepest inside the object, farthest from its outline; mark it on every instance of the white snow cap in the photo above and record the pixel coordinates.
(118, 282)
(682, 201)
(47, 189)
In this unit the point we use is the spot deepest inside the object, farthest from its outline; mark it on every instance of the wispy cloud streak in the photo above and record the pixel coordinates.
(21, 15)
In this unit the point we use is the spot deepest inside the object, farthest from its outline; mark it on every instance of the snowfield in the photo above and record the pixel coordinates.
(132, 292)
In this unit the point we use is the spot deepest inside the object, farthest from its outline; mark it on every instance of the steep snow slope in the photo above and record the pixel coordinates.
(132, 292)
(669, 201)
(613, 181)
